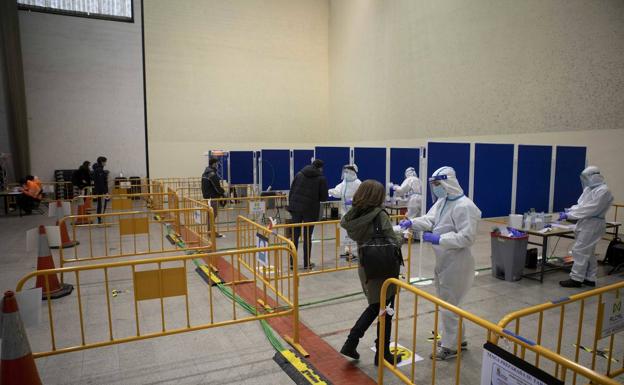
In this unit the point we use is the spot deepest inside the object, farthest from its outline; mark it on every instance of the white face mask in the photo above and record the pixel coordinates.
(438, 191)
(350, 176)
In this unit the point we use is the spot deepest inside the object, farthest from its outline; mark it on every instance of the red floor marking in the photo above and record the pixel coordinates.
(323, 356)
(337, 369)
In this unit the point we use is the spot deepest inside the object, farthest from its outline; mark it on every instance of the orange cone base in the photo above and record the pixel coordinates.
(66, 245)
(19, 371)
(82, 221)
(62, 291)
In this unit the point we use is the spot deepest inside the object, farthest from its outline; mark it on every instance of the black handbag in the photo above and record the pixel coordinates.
(380, 257)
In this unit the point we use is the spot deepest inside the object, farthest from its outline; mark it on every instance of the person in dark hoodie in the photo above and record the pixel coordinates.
(100, 184)
(81, 178)
(211, 186)
(367, 205)
(307, 191)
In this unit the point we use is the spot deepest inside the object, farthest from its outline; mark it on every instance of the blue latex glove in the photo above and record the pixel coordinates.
(431, 237)
(405, 224)
(563, 216)
(348, 202)
(515, 233)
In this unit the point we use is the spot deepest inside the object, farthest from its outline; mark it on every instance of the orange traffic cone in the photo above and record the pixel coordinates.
(44, 262)
(65, 241)
(82, 210)
(18, 365)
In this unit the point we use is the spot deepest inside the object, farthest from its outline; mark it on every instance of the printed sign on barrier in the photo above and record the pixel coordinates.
(611, 315)
(500, 367)
(262, 256)
(197, 217)
(257, 207)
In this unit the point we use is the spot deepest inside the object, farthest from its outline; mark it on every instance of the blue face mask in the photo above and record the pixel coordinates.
(438, 191)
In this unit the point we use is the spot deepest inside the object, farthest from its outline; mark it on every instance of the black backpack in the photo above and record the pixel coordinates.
(614, 255)
(381, 257)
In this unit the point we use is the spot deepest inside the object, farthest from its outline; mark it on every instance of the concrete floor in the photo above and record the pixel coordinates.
(241, 354)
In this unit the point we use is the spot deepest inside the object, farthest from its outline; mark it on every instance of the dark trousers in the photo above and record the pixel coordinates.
(101, 207)
(307, 236)
(27, 203)
(367, 318)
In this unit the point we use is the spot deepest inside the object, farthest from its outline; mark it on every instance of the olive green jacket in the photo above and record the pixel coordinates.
(359, 226)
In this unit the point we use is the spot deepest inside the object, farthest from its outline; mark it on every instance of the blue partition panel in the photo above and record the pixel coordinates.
(493, 178)
(371, 163)
(334, 158)
(533, 182)
(401, 159)
(570, 163)
(275, 169)
(456, 155)
(241, 167)
(301, 158)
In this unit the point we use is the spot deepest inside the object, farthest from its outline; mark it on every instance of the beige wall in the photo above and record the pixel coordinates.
(536, 72)
(233, 73)
(84, 92)
(417, 68)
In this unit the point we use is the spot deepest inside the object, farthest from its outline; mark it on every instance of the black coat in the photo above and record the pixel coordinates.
(211, 184)
(81, 178)
(100, 179)
(308, 190)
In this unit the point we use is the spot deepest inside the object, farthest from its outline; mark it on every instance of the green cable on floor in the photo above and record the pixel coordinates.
(266, 328)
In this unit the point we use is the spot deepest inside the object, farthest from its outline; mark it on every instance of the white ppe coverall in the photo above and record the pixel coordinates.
(410, 189)
(455, 218)
(590, 212)
(345, 191)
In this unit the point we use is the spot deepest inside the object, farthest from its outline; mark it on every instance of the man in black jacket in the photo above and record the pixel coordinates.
(308, 190)
(100, 184)
(211, 186)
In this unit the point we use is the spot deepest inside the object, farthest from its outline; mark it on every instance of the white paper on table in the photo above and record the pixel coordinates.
(29, 304)
(560, 226)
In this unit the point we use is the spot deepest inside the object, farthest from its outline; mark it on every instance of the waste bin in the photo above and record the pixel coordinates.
(508, 256)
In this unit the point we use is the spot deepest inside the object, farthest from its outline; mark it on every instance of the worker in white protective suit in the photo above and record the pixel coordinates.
(410, 190)
(345, 191)
(590, 212)
(451, 227)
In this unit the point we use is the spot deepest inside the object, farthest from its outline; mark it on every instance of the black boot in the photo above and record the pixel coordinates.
(348, 349)
(357, 331)
(388, 356)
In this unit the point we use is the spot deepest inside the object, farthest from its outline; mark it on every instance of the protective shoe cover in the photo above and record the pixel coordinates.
(590, 212)
(455, 218)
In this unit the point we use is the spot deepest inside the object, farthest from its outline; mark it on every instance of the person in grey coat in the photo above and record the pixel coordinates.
(358, 221)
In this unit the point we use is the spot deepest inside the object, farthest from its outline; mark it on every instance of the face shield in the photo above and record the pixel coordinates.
(436, 187)
(349, 173)
(409, 172)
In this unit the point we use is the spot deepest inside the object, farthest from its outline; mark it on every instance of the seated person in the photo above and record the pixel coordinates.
(34, 185)
(30, 196)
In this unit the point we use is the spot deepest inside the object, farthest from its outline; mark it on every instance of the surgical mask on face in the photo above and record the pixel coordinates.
(438, 191)
(350, 176)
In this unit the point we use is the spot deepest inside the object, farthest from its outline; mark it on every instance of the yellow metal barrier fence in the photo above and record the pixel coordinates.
(328, 240)
(122, 202)
(578, 330)
(425, 311)
(273, 270)
(127, 234)
(256, 208)
(134, 300)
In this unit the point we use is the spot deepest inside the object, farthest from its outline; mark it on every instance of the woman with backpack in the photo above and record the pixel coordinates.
(359, 222)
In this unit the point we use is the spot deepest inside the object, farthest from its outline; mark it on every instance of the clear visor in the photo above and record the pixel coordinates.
(438, 178)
